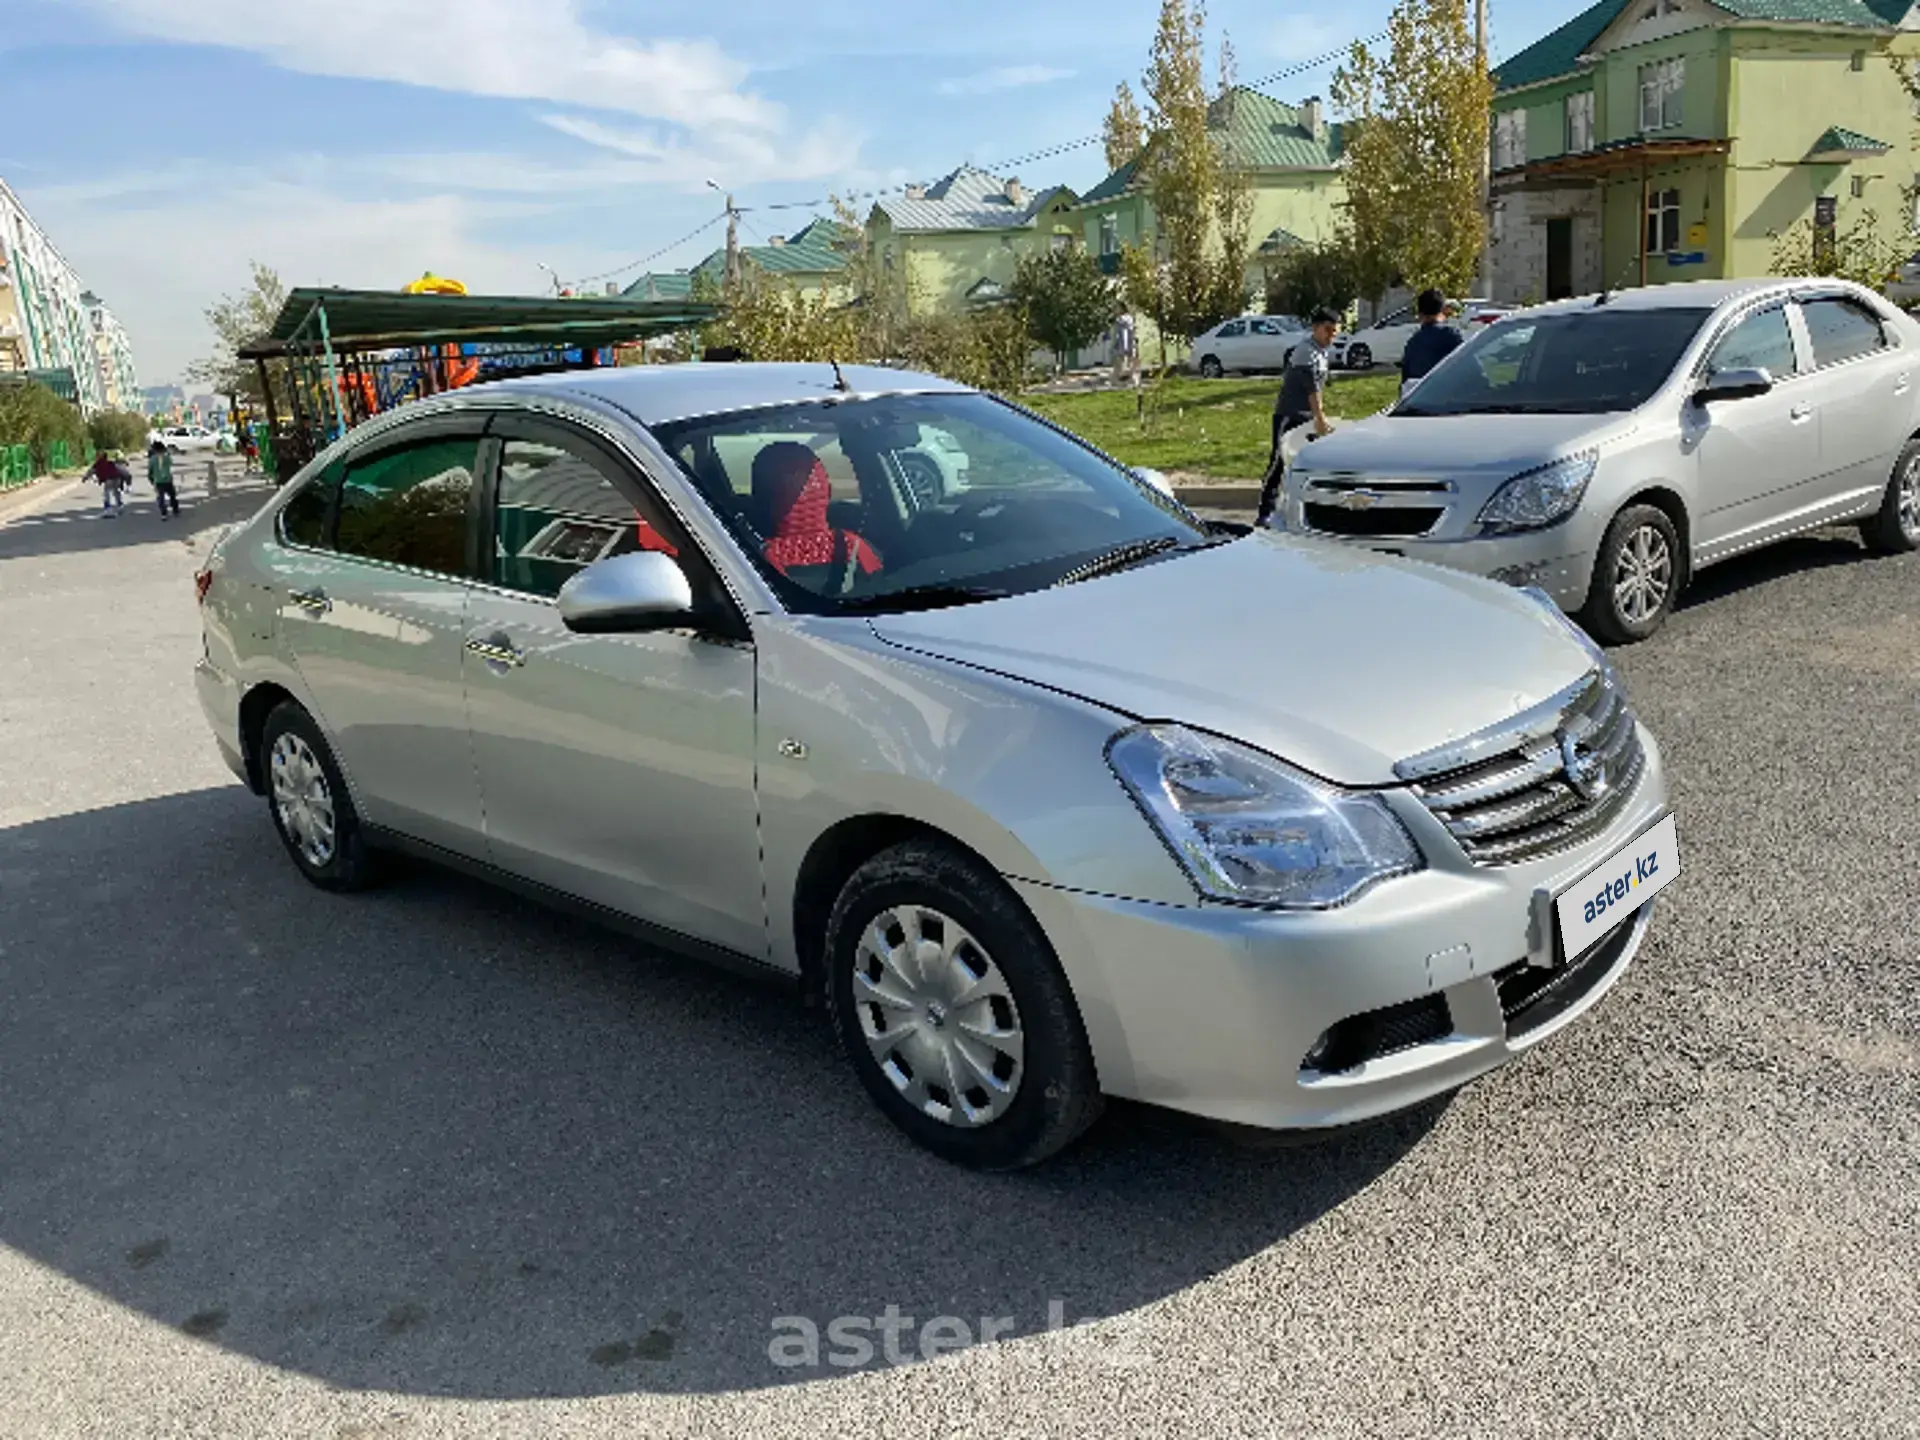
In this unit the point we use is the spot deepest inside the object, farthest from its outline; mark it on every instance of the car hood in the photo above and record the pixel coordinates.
(1338, 660)
(1492, 447)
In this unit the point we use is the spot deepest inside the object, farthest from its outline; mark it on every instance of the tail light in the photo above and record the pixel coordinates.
(202, 583)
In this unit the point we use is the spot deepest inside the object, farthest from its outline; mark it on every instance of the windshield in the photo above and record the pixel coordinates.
(1580, 362)
(901, 501)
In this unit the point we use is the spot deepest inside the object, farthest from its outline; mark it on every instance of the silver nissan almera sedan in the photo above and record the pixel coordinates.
(1050, 788)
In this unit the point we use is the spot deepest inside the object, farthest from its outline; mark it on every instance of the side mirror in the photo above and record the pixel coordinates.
(644, 590)
(1155, 479)
(1733, 385)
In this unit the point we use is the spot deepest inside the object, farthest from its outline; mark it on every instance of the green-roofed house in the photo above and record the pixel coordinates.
(1290, 155)
(1653, 140)
(811, 260)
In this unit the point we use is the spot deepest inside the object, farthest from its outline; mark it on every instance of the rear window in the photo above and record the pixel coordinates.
(1842, 330)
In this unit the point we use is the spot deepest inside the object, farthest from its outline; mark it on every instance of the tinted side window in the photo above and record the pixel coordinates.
(1759, 342)
(1233, 327)
(1841, 330)
(304, 519)
(555, 514)
(409, 506)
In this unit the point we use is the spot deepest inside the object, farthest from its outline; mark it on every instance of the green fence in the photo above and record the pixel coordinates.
(57, 456)
(16, 465)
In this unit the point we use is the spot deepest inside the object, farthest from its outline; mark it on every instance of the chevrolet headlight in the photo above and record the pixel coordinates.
(1535, 499)
(1251, 830)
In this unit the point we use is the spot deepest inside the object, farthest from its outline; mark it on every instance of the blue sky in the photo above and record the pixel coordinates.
(164, 143)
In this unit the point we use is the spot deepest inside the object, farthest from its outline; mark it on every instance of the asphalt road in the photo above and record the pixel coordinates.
(433, 1161)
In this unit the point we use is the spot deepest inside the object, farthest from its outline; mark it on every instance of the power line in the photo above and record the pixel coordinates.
(649, 259)
(1000, 166)
(1047, 153)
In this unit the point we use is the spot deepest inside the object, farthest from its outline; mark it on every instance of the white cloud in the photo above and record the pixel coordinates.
(1004, 77)
(1305, 37)
(517, 49)
(736, 158)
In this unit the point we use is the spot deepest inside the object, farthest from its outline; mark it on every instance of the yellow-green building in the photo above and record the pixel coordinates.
(812, 260)
(1289, 155)
(957, 242)
(1654, 140)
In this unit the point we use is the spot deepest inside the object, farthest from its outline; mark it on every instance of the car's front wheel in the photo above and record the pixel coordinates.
(1359, 357)
(1210, 367)
(311, 807)
(954, 1012)
(1896, 528)
(1636, 576)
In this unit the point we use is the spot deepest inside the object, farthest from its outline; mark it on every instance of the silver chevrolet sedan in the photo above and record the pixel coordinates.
(1049, 788)
(1608, 449)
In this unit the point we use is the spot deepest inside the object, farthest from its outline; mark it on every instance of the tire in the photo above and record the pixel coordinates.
(304, 792)
(1210, 367)
(1359, 357)
(1034, 1090)
(1896, 529)
(1636, 576)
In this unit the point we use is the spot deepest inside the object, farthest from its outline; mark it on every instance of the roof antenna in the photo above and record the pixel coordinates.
(839, 380)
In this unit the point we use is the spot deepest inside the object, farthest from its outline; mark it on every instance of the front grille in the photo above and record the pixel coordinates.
(1393, 520)
(1360, 1038)
(1530, 995)
(1507, 796)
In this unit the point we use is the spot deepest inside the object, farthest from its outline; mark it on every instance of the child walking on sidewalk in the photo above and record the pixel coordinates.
(160, 476)
(112, 480)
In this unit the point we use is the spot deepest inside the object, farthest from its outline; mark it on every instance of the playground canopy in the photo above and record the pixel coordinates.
(353, 353)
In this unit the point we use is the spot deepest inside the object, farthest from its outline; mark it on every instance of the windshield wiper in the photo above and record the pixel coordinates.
(1119, 558)
(917, 597)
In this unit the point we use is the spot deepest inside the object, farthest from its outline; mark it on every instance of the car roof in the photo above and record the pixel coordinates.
(660, 394)
(1681, 295)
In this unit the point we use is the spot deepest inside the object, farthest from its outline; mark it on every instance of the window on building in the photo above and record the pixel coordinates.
(409, 506)
(1109, 234)
(1841, 329)
(1858, 61)
(1662, 85)
(1580, 122)
(1663, 221)
(1509, 139)
(1859, 186)
(1058, 243)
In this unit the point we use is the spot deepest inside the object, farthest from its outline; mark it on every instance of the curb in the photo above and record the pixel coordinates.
(1225, 495)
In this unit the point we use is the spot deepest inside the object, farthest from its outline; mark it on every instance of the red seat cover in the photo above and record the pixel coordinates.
(798, 494)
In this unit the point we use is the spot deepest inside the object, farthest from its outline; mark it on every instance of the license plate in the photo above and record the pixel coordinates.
(1616, 887)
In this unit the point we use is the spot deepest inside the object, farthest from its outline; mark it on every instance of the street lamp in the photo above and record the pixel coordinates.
(551, 271)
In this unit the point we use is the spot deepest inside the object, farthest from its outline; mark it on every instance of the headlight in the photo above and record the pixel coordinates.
(1251, 830)
(1547, 603)
(1537, 498)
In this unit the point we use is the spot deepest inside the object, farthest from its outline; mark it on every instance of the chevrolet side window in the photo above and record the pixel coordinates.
(1841, 330)
(1759, 342)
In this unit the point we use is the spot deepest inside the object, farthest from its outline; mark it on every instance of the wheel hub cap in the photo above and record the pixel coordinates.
(302, 798)
(1644, 576)
(1910, 500)
(938, 1016)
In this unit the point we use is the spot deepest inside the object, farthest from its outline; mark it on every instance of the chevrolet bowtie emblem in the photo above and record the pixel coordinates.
(1360, 499)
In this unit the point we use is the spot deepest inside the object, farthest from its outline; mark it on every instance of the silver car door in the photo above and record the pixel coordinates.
(1754, 457)
(617, 768)
(373, 616)
(1862, 392)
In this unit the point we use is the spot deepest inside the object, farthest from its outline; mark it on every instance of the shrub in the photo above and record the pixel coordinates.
(118, 430)
(32, 415)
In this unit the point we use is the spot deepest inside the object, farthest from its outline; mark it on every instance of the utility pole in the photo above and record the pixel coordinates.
(733, 243)
(1485, 282)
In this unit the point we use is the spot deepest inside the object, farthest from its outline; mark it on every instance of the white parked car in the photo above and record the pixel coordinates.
(1251, 342)
(185, 437)
(1385, 341)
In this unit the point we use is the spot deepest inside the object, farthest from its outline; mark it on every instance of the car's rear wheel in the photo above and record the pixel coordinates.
(1359, 357)
(954, 1012)
(1210, 367)
(311, 807)
(1896, 528)
(1636, 576)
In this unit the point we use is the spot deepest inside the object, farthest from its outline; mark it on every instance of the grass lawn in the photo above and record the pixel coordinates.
(1219, 428)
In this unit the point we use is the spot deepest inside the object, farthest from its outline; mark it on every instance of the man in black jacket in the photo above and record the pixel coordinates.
(1432, 342)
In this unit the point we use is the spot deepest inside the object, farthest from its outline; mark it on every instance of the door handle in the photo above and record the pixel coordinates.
(1799, 413)
(497, 652)
(313, 601)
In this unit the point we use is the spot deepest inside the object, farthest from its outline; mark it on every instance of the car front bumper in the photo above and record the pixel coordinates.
(1213, 1009)
(1558, 559)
